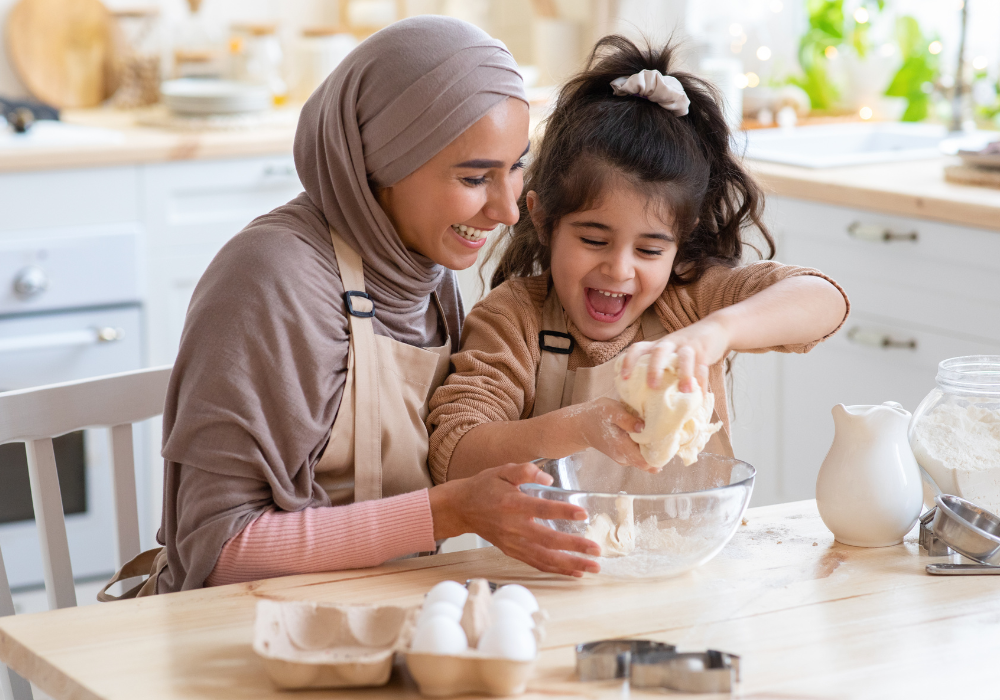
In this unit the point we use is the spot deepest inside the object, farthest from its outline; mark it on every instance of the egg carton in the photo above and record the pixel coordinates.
(329, 645)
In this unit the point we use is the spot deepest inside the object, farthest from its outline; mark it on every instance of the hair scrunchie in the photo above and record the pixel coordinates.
(664, 90)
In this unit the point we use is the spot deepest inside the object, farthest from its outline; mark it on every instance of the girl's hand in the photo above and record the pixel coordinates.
(491, 505)
(604, 424)
(698, 347)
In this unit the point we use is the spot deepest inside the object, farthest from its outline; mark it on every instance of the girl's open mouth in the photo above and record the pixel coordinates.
(604, 305)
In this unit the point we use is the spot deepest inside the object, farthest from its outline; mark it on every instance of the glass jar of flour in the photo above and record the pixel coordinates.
(955, 431)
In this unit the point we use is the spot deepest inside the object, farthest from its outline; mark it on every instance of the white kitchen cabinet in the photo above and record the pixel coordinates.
(930, 292)
(191, 209)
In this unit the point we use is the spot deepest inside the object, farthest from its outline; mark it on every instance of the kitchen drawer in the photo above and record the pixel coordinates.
(949, 279)
(208, 202)
(55, 198)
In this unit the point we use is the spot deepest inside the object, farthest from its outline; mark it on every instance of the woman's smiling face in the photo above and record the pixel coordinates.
(446, 207)
(611, 262)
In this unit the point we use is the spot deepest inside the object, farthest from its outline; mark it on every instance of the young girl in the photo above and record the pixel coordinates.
(630, 237)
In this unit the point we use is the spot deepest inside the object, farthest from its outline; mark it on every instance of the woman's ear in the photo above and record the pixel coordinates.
(535, 212)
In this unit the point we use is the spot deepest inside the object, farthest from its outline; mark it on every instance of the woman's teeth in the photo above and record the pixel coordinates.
(469, 233)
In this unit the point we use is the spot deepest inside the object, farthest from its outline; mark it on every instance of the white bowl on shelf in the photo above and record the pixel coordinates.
(209, 96)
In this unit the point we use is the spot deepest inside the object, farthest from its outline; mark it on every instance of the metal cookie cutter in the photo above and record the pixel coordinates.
(649, 664)
(930, 542)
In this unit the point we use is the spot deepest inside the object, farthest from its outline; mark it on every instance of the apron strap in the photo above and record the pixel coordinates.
(556, 346)
(151, 563)
(367, 426)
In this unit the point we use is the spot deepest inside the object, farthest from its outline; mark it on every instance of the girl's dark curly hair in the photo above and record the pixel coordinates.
(684, 164)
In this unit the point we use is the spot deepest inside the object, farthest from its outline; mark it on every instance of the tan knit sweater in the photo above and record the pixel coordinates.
(495, 371)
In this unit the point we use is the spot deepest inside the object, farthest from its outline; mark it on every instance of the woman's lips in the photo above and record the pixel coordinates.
(604, 306)
(470, 237)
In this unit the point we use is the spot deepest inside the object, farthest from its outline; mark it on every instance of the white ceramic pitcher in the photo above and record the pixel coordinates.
(869, 490)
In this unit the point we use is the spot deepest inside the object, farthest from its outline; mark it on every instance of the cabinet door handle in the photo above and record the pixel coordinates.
(280, 171)
(65, 339)
(877, 339)
(879, 233)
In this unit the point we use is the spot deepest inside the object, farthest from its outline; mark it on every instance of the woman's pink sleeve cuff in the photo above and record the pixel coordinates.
(355, 536)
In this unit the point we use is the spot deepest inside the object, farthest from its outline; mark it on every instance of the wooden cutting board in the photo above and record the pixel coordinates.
(64, 50)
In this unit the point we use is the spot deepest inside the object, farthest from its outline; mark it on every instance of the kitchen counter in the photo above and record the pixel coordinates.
(809, 618)
(148, 144)
(908, 188)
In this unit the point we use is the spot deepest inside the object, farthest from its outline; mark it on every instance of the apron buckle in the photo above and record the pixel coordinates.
(355, 312)
(560, 348)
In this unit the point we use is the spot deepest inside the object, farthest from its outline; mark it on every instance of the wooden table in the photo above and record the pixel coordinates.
(811, 619)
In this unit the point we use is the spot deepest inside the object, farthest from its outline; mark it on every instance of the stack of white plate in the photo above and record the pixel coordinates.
(208, 96)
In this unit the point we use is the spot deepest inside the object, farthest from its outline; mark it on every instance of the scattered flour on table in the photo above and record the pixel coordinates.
(959, 446)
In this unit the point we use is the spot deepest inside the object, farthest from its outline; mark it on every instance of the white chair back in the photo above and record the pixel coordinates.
(35, 416)
(12, 686)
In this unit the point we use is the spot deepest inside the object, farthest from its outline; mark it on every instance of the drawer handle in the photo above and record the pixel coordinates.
(280, 171)
(66, 339)
(879, 234)
(877, 339)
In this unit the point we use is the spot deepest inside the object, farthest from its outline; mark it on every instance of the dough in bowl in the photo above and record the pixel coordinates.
(676, 423)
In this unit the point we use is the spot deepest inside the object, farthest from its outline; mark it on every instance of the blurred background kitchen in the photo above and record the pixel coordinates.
(140, 137)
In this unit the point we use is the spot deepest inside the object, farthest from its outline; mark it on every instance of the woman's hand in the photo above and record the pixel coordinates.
(603, 424)
(491, 505)
(698, 347)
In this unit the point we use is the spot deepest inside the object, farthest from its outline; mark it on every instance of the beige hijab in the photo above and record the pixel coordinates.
(260, 372)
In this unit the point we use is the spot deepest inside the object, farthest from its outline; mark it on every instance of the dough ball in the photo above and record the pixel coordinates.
(676, 423)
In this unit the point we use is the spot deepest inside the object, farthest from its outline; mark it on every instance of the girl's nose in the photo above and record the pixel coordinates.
(618, 266)
(501, 202)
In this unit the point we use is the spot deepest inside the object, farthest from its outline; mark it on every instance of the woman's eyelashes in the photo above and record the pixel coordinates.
(478, 181)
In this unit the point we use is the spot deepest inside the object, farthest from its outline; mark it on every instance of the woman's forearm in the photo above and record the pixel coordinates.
(794, 311)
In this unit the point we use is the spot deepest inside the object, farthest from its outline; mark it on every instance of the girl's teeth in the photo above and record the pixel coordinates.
(469, 233)
(610, 294)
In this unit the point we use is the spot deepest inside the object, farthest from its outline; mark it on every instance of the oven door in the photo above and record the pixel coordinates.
(53, 347)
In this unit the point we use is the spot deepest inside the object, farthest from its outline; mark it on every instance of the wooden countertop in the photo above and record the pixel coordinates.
(147, 144)
(809, 617)
(909, 188)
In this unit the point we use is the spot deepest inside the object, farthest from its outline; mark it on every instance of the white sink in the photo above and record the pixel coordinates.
(834, 145)
(47, 133)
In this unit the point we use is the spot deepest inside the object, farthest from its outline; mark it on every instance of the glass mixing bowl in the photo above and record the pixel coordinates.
(682, 516)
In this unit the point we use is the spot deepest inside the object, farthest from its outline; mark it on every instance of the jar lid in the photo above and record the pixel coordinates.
(972, 374)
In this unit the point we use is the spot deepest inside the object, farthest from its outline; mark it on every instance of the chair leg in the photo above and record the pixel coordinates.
(12, 686)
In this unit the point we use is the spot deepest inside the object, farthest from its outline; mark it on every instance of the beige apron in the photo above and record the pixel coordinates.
(557, 386)
(380, 421)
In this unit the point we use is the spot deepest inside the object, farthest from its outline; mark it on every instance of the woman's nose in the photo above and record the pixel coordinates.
(501, 203)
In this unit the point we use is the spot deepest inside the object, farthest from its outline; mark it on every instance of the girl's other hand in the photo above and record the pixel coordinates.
(605, 424)
(698, 347)
(491, 505)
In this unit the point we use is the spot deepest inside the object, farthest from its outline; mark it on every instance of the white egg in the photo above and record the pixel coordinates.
(450, 592)
(439, 635)
(519, 594)
(507, 610)
(508, 640)
(440, 608)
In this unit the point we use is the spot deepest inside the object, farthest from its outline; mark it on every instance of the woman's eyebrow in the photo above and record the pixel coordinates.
(486, 164)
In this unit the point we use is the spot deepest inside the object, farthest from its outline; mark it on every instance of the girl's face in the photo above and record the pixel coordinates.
(446, 207)
(610, 263)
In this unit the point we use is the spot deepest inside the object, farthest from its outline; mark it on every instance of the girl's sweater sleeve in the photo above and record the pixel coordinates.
(720, 286)
(283, 543)
(493, 376)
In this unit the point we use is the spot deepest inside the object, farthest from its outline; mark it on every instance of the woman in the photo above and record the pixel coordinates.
(293, 431)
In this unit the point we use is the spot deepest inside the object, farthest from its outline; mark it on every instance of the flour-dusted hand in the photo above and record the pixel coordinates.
(697, 347)
(605, 425)
(676, 423)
